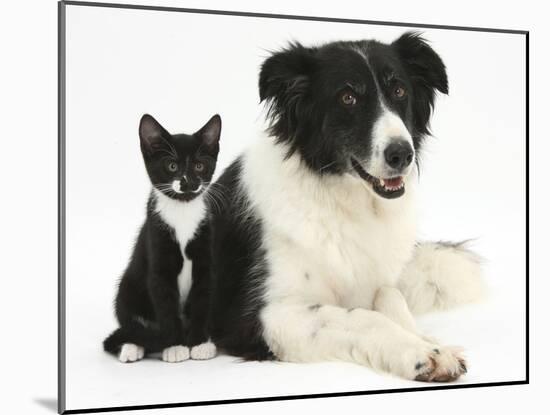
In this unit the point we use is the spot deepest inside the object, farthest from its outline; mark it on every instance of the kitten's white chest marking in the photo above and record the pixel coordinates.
(184, 218)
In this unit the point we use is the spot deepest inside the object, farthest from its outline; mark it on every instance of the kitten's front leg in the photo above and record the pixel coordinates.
(202, 348)
(198, 308)
(166, 300)
(163, 289)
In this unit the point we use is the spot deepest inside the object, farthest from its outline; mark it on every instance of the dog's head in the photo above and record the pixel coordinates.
(354, 107)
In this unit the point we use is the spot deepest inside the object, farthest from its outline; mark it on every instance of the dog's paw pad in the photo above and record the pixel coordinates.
(175, 354)
(442, 365)
(203, 351)
(130, 352)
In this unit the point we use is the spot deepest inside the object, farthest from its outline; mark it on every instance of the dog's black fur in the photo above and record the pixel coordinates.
(302, 86)
(306, 90)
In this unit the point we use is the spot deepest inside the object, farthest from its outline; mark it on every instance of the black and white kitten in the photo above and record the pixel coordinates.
(162, 302)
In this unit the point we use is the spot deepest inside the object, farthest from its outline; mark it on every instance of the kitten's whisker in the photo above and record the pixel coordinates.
(164, 186)
(216, 192)
(217, 187)
(210, 201)
(219, 204)
(215, 199)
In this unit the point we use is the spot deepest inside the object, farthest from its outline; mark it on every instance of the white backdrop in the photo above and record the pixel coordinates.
(29, 228)
(182, 68)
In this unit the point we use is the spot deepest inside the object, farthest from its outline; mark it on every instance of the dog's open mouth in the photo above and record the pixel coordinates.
(389, 188)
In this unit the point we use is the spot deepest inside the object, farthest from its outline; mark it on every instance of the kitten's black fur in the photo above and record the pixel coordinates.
(148, 306)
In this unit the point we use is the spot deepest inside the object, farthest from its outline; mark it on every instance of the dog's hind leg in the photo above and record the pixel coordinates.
(315, 332)
(441, 275)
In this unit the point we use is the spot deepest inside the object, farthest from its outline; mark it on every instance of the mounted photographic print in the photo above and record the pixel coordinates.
(258, 207)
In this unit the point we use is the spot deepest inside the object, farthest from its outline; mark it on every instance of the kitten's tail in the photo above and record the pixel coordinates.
(148, 338)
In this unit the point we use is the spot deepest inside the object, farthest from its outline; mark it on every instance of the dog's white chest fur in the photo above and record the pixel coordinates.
(184, 218)
(328, 240)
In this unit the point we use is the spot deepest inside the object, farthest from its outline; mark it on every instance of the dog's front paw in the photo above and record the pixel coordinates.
(131, 353)
(441, 364)
(175, 354)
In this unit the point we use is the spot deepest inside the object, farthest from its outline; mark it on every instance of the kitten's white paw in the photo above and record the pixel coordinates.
(130, 352)
(203, 351)
(175, 354)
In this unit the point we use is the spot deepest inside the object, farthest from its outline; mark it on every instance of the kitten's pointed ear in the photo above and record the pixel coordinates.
(210, 133)
(151, 134)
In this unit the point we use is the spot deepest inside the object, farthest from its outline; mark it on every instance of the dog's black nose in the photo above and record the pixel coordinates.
(399, 154)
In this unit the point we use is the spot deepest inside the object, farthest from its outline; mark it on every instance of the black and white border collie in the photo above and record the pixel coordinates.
(315, 247)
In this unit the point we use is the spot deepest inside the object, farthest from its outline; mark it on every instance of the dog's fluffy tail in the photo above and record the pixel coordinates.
(442, 275)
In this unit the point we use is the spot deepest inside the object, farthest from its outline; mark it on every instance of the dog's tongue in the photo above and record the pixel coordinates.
(393, 182)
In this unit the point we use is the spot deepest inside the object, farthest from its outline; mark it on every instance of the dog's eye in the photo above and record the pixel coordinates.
(348, 99)
(399, 92)
(172, 166)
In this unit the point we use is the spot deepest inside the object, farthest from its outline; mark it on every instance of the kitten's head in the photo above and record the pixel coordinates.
(180, 165)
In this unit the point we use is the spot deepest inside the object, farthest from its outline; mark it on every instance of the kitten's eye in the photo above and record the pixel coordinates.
(172, 166)
(199, 167)
(348, 99)
(399, 92)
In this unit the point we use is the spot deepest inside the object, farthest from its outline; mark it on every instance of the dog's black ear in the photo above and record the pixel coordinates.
(286, 73)
(421, 61)
(284, 84)
(427, 73)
